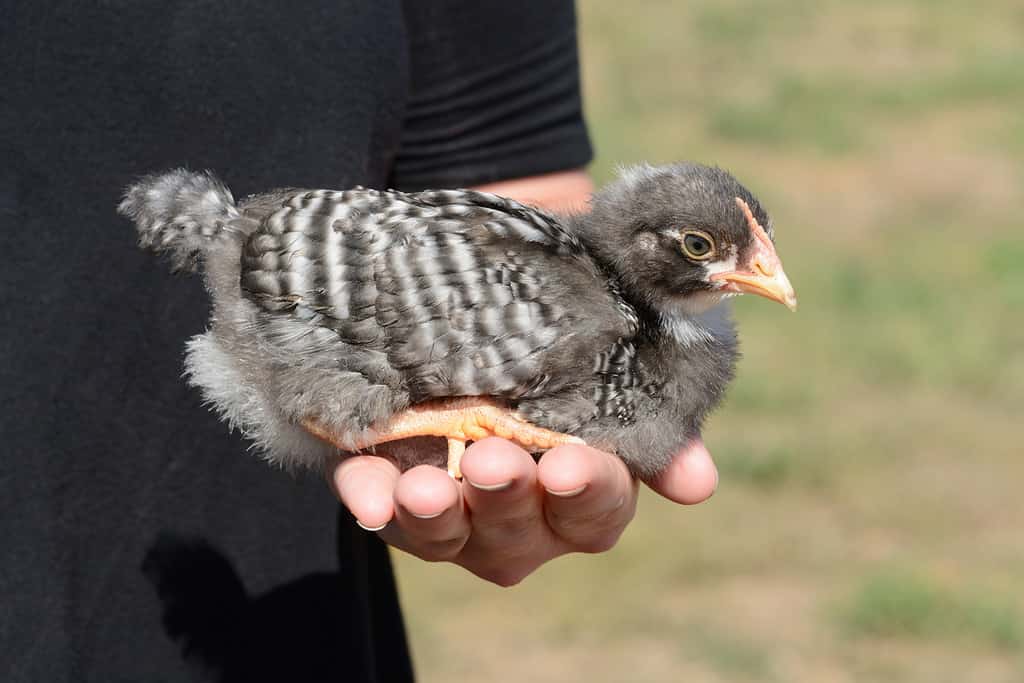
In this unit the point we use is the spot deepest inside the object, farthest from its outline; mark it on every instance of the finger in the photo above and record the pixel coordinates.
(590, 496)
(501, 493)
(510, 536)
(365, 484)
(691, 478)
(430, 520)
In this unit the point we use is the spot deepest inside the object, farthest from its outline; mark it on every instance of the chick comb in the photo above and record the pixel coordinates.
(755, 227)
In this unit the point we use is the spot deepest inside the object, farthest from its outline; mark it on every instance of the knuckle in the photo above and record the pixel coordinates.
(593, 532)
(576, 522)
(513, 533)
(600, 543)
(439, 551)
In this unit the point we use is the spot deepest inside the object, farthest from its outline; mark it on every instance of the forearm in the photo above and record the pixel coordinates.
(561, 192)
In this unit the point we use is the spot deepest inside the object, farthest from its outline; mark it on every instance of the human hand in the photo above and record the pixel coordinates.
(509, 515)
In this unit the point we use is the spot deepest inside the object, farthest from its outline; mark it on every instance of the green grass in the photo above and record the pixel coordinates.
(834, 115)
(1004, 264)
(880, 426)
(766, 470)
(737, 658)
(906, 605)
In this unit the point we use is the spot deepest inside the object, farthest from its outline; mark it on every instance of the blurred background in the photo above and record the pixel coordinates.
(869, 524)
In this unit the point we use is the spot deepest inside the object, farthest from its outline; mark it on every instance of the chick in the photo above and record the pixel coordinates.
(344, 319)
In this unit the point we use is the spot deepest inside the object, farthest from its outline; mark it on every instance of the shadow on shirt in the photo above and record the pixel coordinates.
(317, 628)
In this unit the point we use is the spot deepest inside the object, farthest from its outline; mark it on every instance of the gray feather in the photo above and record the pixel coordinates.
(179, 212)
(349, 306)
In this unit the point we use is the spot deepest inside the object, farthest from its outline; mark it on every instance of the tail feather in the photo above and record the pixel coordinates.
(180, 212)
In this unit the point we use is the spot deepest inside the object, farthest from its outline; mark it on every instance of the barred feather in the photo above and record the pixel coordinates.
(349, 306)
(179, 212)
(415, 278)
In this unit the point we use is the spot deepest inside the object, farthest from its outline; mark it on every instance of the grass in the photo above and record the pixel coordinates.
(768, 470)
(734, 657)
(905, 605)
(879, 427)
(834, 115)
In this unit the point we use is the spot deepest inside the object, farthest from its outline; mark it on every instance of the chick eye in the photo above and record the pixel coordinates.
(698, 245)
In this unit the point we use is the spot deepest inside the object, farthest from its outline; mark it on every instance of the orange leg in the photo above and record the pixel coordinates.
(458, 420)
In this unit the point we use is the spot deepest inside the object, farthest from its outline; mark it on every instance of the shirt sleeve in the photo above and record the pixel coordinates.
(495, 93)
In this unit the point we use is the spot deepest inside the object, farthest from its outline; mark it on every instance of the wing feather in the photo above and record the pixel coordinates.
(460, 292)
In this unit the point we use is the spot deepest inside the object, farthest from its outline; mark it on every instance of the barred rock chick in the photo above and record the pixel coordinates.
(346, 319)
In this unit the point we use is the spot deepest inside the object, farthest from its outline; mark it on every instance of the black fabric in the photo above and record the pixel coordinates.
(141, 543)
(495, 93)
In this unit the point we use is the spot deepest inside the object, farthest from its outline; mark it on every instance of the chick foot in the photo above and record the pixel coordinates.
(459, 420)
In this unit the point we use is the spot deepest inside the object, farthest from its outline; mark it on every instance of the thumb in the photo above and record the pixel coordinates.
(691, 477)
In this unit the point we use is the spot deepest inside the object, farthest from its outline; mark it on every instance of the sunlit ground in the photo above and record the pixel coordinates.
(870, 519)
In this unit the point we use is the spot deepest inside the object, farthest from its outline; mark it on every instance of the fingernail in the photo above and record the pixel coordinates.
(500, 486)
(371, 528)
(567, 494)
(432, 515)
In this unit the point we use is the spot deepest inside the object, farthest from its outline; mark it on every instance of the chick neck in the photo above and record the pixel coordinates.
(697, 318)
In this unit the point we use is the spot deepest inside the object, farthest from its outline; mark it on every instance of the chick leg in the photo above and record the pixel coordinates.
(456, 447)
(458, 420)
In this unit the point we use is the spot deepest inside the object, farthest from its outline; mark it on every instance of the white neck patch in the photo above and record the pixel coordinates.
(685, 329)
(704, 327)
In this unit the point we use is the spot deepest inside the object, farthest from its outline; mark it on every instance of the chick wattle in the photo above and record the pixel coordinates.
(346, 319)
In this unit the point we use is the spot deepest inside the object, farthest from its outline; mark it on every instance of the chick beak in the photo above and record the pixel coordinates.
(764, 274)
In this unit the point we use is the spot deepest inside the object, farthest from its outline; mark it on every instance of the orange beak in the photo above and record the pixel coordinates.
(764, 274)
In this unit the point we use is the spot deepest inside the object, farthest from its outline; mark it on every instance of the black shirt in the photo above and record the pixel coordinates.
(140, 541)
